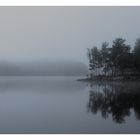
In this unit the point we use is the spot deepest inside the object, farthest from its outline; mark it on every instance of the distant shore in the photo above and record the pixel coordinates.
(111, 78)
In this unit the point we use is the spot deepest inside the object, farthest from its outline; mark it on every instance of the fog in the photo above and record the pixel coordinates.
(43, 68)
(62, 33)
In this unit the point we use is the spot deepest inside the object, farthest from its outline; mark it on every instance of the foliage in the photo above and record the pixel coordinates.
(117, 60)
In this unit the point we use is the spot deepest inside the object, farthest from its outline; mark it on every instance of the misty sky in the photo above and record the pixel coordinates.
(56, 33)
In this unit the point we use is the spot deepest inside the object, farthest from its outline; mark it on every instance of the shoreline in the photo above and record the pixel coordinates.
(111, 79)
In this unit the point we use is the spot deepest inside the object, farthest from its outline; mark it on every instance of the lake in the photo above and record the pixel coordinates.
(53, 105)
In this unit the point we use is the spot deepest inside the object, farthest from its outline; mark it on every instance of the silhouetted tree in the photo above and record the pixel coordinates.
(94, 59)
(137, 54)
(105, 57)
(117, 60)
(119, 55)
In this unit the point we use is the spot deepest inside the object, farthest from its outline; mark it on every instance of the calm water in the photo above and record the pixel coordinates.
(63, 105)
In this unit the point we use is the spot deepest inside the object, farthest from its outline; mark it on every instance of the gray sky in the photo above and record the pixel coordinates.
(56, 33)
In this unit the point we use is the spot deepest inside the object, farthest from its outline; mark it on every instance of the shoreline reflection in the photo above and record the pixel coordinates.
(116, 100)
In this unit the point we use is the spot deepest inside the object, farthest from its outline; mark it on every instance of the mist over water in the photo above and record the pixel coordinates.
(42, 68)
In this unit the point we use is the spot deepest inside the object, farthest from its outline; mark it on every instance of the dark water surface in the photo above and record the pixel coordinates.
(64, 105)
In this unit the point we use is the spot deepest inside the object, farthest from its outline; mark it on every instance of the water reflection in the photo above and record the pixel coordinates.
(117, 100)
(40, 85)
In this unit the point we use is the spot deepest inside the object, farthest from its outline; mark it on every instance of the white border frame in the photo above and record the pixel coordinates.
(70, 3)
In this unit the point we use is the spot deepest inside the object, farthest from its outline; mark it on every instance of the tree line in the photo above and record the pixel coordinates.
(118, 60)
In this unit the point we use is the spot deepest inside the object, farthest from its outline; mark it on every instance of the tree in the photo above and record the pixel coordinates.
(92, 64)
(119, 55)
(94, 59)
(105, 56)
(137, 54)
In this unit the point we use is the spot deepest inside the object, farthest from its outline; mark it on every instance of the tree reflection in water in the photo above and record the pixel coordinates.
(115, 99)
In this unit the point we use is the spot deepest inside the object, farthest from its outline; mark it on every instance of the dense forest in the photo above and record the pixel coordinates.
(119, 59)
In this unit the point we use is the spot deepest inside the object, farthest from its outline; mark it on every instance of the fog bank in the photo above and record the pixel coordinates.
(42, 68)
